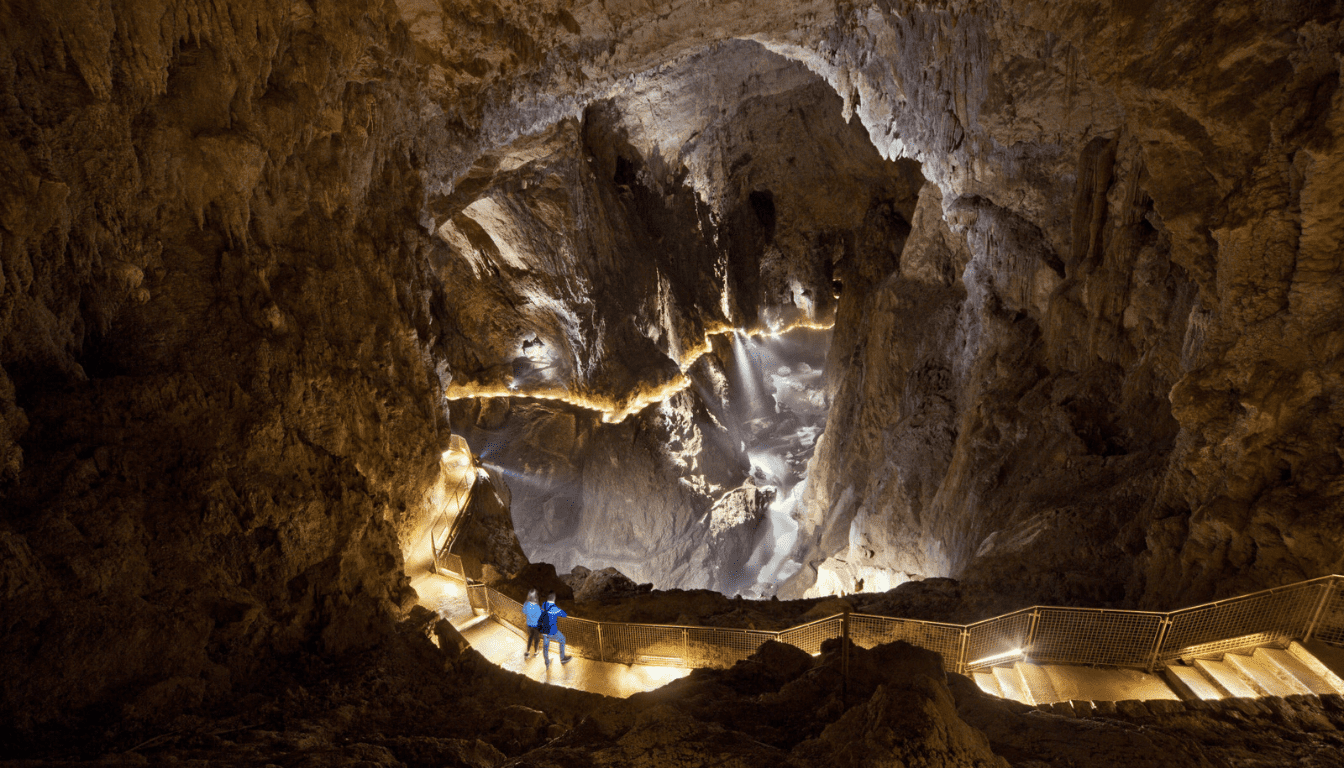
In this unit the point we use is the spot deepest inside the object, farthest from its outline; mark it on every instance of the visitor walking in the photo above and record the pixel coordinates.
(532, 612)
(549, 626)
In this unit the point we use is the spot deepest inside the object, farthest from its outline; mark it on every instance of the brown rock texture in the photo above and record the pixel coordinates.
(1086, 345)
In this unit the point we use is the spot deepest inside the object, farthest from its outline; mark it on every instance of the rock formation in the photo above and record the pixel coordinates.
(1086, 343)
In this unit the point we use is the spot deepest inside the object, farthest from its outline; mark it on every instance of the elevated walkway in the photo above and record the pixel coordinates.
(503, 644)
(1262, 672)
(1281, 642)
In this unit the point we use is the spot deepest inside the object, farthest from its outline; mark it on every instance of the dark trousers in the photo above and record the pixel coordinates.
(533, 639)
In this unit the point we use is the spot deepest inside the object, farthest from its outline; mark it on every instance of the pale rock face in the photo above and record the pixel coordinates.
(245, 248)
(621, 239)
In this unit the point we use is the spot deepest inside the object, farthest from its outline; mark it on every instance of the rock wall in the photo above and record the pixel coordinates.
(219, 399)
(725, 190)
(1055, 425)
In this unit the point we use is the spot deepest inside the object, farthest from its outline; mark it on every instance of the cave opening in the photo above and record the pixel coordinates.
(650, 288)
(699, 490)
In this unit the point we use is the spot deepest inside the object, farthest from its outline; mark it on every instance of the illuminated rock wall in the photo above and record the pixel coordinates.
(219, 409)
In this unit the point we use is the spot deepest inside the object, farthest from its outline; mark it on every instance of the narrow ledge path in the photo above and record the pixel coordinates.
(503, 646)
(1300, 671)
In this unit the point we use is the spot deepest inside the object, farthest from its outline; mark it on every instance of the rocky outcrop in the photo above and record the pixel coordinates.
(487, 544)
(606, 584)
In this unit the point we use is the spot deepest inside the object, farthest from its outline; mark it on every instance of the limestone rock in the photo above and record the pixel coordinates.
(607, 583)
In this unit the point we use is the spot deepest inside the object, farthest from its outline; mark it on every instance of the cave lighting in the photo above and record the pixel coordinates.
(1219, 647)
(514, 476)
(612, 410)
(458, 455)
(801, 324)
(996, 658)
(747, 373)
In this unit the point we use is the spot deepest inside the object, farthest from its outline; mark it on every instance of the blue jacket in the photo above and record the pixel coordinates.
(556, 612)
(533, 612)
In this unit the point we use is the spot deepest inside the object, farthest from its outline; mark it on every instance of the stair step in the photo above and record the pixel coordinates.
(1012, 685)
(1226, 679)
(1325, 671)
(1262, 676)
(1073, 682)
(472, 622)
(1191, 684)
(1037, 682)
(1291, 671)
(988, 683)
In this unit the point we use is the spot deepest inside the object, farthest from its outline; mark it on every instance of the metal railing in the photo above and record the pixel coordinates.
(453, 526)
(1092, 636)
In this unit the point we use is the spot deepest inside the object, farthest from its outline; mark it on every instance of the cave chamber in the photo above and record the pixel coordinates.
(267, 268)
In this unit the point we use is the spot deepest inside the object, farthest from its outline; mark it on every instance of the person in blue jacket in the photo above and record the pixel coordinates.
(532, 612)
(551, 628)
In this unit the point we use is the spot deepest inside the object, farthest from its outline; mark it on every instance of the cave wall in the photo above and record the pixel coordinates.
(1134, 371)
(1116, 178)
(225, 323)
(219, 399)
(726, 190)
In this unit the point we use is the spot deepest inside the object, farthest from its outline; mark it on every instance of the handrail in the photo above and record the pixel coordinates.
(1028, 609)
(857, 615)
(1271, 590)
(464, 486)
(463, 497)
(1058, 634)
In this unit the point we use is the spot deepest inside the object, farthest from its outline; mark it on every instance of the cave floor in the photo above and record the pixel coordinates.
(503, 646)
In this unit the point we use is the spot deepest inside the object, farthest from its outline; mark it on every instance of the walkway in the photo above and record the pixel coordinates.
(1298, 670)
(502, 645)
(1054, 657)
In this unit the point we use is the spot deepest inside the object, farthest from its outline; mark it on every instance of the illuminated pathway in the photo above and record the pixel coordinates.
(1226, 651)
(504, 647)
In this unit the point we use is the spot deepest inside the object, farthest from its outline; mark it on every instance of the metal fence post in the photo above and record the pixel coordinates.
(961, 652)
(844, 660)
(685, 647)
(1157, 644)
(433, 551)
(1326, 594)
(1031, 635)
(486, 592)
(601, 652)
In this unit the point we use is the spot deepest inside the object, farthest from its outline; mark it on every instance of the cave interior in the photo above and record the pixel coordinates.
(934, 310)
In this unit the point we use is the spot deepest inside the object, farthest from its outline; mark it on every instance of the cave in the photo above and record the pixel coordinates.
(932, 311)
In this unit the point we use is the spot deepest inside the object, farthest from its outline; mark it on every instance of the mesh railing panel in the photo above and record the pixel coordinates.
(581, 637)
(1078, 636)
(644, 644)
(451, 562)
(809, 637)
(1061, 635)
(990, 641)
(1269, 617)
(507, 609)
(722, 648)
(871, 631)
(476, 595)
(1330, 625)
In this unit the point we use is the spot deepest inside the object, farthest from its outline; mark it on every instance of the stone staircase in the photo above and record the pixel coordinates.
(1294, 671)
